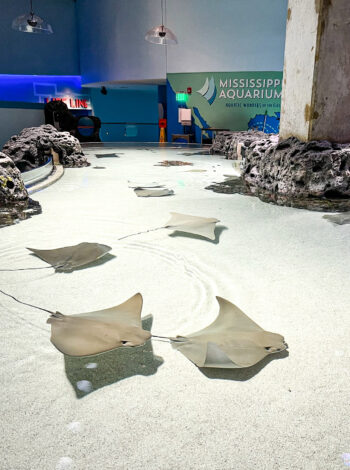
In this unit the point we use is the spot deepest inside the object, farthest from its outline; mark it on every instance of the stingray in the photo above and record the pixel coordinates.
(232, 341)
(189, 154)
(87, 334)
(70, 257)
(142, 192)
(173, 163)
(339, 219)
(202, 226)
(99, 167)
(107, 155)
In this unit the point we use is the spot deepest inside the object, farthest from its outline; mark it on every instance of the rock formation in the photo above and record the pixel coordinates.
(234, 144)
(15, 203)
(31, 147)
(312, 175)
(298, 171)
(12, 188)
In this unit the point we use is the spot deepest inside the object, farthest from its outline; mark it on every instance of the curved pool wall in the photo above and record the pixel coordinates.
(149, 407)
(33, 177)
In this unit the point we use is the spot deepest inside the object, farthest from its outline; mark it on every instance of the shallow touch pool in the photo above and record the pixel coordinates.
(288, 269)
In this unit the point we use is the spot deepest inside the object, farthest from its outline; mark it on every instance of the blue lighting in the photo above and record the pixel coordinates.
(36, 88)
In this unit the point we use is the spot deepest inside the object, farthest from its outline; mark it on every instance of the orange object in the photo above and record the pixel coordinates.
(162, 123)
(162, 135)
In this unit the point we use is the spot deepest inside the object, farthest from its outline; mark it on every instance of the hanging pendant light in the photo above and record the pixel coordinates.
(160, 34)
(31, 23)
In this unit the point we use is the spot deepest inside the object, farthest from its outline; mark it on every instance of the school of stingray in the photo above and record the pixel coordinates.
(233, 340)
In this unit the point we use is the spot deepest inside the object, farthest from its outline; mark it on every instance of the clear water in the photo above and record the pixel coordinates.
(150, 408)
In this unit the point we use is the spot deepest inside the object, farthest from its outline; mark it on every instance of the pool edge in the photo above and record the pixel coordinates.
(55, 175)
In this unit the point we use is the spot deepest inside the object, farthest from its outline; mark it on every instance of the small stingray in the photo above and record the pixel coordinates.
(232, 341)
(202, 226)
(172, 163)
(70, 257)
(107, 155)
(339, 219)
(189, 154)
(99, 167)
(87, 334)
(141, 192)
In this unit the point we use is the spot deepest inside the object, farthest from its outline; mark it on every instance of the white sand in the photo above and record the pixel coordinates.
(288, 269)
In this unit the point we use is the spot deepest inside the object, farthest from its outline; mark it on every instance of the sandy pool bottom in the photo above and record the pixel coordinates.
(150, 408)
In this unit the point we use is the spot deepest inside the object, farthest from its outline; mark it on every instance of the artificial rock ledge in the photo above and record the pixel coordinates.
(31, 147)
(235, 144)
(15, 203)
(312, 175)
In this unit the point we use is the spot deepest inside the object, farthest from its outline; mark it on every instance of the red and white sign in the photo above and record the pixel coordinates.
(73, 103)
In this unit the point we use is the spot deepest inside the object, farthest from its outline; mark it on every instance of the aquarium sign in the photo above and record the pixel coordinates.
(250, 88)
(226, 100)
(72, 103)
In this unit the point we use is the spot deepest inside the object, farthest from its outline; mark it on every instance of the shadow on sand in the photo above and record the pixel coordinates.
(87, 374)
(218, 231)
(99, 262)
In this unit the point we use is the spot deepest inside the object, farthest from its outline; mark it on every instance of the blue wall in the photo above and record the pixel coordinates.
(112, 40)
(103, 41)
(213, 35)
(136, 106)
(20, 96)
(30, 54)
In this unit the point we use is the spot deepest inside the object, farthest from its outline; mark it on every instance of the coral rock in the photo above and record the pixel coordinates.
(235, 144)
(300, 173)
(32, 146)
(12, 188)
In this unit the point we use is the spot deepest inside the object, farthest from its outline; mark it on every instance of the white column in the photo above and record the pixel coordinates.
(316, 88)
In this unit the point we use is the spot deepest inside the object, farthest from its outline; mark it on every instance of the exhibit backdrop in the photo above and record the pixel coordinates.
(227, 100)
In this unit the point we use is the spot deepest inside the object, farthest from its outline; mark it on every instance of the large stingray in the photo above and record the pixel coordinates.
(91, 333)
(232, 341)
(70, 257)
(143, 192)
(202, 226)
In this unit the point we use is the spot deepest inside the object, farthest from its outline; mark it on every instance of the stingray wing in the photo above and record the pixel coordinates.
(202, 226)
(233, 340)
(70, 257)
(91, 333)
(56, 257)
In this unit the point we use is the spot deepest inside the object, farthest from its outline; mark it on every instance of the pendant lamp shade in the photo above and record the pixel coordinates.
(161, 35)
(31, 23)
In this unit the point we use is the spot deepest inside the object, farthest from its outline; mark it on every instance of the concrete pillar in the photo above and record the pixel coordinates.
(316, 80)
